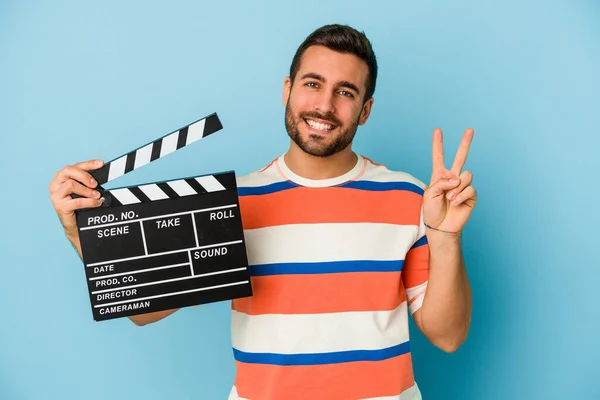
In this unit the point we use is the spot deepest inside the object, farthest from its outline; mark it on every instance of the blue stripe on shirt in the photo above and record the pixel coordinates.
(361, 185)
(326, 267)
(321, 358)
(383, 186)
(420, 242)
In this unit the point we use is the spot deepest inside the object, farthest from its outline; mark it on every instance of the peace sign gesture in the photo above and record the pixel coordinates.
(449, 200)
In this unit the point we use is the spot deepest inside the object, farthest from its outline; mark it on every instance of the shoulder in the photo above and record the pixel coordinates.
(380, 173)
(263, 177)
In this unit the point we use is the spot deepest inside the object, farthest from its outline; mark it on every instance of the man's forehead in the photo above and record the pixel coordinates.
(333, 65)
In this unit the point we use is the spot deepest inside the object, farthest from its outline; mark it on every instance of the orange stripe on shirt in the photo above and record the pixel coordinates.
(416, 267)
(304, 205)
(323, 293)
(349, 380)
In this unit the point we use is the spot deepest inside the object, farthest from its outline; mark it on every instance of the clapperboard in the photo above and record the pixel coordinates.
(163, 245)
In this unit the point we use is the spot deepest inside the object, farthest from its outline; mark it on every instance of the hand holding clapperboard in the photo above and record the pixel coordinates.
(156, 246)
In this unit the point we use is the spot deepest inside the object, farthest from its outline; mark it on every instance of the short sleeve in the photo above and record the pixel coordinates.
(415, 271)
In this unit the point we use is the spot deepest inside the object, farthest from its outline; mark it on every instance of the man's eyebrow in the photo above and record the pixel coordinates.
(349, 85)
(312, 75)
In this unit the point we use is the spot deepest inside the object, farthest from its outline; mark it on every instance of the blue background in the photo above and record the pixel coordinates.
(82, 80)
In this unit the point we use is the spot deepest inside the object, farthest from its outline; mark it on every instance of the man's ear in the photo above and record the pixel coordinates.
(366, 111)
(287, 87)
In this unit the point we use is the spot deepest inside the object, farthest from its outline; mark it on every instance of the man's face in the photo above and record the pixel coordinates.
(324, 106)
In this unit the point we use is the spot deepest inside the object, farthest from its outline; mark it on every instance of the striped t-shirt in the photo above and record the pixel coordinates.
(336, 265)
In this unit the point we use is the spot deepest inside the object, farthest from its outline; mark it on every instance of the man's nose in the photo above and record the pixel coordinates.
(325, 102)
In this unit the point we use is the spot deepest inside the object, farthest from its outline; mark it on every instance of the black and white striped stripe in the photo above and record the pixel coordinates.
(169, 190)
(157, 149)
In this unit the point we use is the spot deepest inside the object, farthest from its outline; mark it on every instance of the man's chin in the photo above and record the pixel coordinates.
(310, 138)
(313, 143)
(315, 148)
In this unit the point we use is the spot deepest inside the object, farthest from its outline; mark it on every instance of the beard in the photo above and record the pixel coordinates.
(317, 145)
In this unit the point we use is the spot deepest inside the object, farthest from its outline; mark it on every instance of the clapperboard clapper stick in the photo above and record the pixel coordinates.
(163, 245)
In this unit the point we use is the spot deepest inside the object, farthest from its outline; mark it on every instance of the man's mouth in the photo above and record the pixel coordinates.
(319, 126)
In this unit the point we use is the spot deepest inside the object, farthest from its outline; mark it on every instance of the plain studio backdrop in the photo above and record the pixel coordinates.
(82, 80)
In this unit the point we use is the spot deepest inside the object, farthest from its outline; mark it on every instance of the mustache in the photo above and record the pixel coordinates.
(326, 117)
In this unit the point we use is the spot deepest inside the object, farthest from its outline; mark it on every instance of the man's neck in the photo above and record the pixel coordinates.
(313, 167)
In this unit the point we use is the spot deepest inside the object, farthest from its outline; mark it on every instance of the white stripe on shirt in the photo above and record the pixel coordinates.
(412, 393)
(329, 242)
(330, 332)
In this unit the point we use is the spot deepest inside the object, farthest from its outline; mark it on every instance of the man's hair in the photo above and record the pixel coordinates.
(343, 39)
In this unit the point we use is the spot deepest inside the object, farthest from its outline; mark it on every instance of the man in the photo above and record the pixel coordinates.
(340, 248)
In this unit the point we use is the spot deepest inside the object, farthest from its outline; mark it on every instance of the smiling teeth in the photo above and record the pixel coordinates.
(319, 126)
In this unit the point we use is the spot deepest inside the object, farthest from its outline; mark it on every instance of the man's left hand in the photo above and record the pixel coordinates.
(449, 200)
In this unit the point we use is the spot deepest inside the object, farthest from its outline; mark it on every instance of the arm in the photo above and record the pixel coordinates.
(75, 179)
(445, 314)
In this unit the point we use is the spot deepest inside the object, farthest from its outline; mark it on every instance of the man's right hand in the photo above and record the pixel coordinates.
(73, 179)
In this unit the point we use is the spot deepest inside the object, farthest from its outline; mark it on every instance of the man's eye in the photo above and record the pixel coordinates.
(312, 84)
(346, 93)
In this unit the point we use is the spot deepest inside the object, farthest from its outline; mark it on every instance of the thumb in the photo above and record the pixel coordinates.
(441, 186)
(90, 165)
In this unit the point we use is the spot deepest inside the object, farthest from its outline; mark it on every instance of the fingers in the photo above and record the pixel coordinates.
(456, 190)
(466, 178)
(70, 205)
(437, 151)
(70, 186)
(441, 186)
(77, 172)
(74, 180)
(89, 165)
(65, 204)
(463, 151)
(467, 196)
